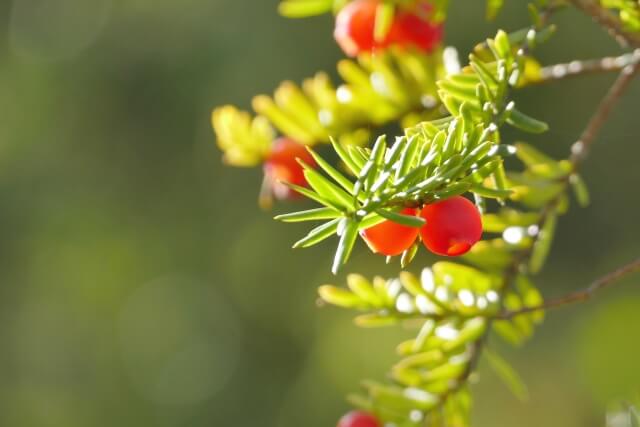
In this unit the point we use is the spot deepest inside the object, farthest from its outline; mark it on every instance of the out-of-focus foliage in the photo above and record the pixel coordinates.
(628, 10)
(396, 85)
(244, 141)
(458, 304)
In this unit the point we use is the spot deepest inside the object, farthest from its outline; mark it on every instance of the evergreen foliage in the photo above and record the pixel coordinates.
(452, 144)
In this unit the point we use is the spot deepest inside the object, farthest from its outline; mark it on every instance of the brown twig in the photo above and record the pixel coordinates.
(555, 72)
(580, 149)
(582, 295)
(610, 21)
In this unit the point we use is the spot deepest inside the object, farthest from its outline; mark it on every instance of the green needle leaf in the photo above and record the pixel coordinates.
(502, 45)
(314, 196)
(364, 290)
(444, 372)
(357, 157)
(304, 8)
(543, 244)
(309, 215)
(491, 193)
(479, 152)
(408, 255)
(345, 157)
(332, 172)
(327, 189)
(407, 157)
(580, 190)
(462, 93)
(393, 153)
(347, 241)
(493, 7)
(454, 138)
(526, 123)
(487, 77)
(370, 220)
(379, 148)
(340, 297)
(408, 220)
(507, 374)
(318, 234)
(453, 190)
(472, 331)
(531, 156)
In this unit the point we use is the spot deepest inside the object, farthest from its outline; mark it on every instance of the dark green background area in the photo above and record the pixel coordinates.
(141, 286)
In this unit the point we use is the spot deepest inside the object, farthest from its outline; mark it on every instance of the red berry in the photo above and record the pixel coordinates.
(358, 419)
(281, 166)
(390, 238)
(414, 28)
(453, 226)
(355, 25)
(355, 28)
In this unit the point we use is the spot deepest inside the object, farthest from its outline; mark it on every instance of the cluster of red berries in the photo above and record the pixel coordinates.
(452, 227)
(411, 26)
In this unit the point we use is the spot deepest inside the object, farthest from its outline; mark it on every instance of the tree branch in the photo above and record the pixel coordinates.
(555, 72)
(580, 149)
(608, 20)
(582, 295)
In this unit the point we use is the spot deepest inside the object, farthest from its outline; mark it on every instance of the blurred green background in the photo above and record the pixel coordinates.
(141, 286)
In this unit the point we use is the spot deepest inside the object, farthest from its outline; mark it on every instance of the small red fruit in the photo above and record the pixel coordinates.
(355, 28)
(355, 25)
(281, 166)
(453, 226)
(415, 28)
(358, 419)
(390, 238)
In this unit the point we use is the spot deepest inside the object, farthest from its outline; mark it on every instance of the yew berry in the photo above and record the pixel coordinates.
(355, 26)
(281, 166)
(415, 28)
(453, 226)
(390, 238)
(358, 419)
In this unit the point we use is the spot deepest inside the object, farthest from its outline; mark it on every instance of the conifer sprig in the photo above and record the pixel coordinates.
(452, 144)
(432, 161)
